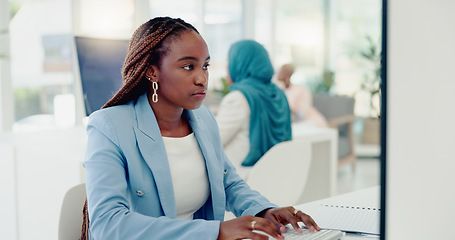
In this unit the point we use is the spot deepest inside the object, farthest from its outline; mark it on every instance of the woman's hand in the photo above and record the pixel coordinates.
(285, 215)
(242, 227)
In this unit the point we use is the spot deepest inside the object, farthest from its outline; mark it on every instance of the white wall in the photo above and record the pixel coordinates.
(421, 113)
(8, 210)
(6, 93)
(36, 170)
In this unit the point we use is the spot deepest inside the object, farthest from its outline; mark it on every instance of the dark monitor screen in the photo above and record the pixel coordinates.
(100, 64)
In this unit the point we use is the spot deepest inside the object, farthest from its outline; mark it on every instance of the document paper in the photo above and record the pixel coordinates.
(348, 219)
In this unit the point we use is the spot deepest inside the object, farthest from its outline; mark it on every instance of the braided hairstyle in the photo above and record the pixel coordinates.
(145, 49)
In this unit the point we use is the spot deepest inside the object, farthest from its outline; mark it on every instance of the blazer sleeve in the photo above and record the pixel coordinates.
(240, 198)
(109, 199)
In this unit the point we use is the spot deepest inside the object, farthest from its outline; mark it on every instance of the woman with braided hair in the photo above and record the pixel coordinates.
(155, 166)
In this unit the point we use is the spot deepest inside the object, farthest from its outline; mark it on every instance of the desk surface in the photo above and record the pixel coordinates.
(313, 132)
(369, 197)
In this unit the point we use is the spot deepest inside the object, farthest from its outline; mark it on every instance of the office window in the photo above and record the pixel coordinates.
(354, 24)
(103, 18)
(329, 37)
(316, 35)
(41, 64)
(223, 27)
(299, 36)
(188, 10)
(265, 24)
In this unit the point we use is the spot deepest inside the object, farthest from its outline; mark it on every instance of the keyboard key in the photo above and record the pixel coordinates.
(324, 234)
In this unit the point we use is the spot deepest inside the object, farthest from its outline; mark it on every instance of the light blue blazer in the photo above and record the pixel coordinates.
(129, 186)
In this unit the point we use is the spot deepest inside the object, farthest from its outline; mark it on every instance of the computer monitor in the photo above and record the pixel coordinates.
(383, 134)
(100, 63)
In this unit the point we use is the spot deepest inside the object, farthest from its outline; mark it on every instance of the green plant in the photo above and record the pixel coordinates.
(372, 78)
(14, 8)
(26, 102)
(225, 89)
(327, 82)
(3, 32)
(322, 85)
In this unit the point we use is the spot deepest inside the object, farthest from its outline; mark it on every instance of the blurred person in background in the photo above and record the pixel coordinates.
(300, 99)
(255, 114)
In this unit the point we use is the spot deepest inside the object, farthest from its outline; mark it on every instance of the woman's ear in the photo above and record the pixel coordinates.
(152, 73)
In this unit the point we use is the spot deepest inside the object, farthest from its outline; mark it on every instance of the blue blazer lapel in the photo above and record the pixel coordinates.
(152, 149)
(213, 164)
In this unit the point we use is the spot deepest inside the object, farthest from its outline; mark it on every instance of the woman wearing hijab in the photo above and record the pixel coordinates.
(255, 114)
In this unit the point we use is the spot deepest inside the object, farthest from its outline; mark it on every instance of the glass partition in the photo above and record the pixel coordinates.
(323, 38)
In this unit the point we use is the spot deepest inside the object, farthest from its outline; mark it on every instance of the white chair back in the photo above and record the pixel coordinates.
(69, 227)
(281, 174)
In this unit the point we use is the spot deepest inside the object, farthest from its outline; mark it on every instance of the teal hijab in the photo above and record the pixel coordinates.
(251, 72)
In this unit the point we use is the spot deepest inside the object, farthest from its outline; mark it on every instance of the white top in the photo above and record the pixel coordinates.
(189, 174)
(233, 119)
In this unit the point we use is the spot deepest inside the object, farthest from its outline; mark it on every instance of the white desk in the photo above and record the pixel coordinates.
(322, 178)
(369, 197)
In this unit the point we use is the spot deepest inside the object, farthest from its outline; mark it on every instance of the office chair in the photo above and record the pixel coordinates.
(339, 111)
(281, 173)
(69, 227)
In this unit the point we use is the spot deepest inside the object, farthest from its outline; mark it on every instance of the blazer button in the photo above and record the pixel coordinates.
(139, 193)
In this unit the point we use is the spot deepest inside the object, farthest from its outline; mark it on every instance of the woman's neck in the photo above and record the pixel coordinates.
(173, 128)
(170, 120)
